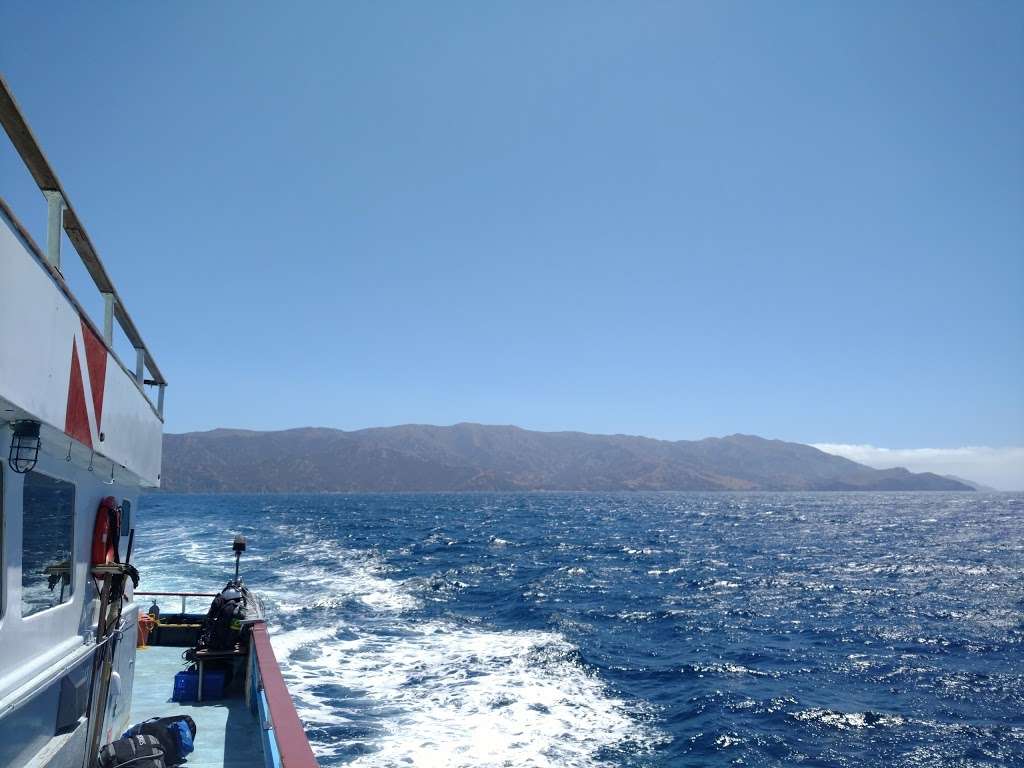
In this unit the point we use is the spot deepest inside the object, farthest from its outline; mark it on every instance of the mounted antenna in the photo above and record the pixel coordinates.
(239, 547)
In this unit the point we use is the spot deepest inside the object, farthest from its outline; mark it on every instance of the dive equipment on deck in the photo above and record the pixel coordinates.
(225, 621)
(140, 751)
(176, 735)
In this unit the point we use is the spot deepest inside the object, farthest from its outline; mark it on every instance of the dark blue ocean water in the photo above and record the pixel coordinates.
(629, 629)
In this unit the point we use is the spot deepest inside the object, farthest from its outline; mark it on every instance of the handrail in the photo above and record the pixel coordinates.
(26, 238)
(63, 215)
(289, 735)
(182, 595)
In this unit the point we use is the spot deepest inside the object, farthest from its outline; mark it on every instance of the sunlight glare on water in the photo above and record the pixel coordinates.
(629, 629)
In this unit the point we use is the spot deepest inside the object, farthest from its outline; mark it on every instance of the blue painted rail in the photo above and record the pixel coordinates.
(284, 739)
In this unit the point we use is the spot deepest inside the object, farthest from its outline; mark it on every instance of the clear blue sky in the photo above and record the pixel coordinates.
(802, 220)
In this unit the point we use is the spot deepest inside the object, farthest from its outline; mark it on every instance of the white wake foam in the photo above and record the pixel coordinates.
(458, 697)
(340, 575)
(395, 691)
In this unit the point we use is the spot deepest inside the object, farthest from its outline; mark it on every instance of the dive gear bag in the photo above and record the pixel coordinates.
(175, 736)
(222, 626)
(139, 751)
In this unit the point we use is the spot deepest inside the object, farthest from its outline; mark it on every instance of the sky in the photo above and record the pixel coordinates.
(798, 220)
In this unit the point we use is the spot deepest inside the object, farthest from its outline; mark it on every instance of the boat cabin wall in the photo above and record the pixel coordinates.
(48, 516)
(58, 369)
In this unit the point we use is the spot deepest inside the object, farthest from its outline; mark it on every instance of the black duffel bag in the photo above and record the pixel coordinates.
(139, 751)
(175, 735)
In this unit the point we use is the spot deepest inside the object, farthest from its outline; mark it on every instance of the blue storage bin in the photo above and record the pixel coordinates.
(186, 686)
(213, 684)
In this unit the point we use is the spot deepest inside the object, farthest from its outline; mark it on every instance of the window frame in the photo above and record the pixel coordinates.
(71, 548)
(3, 544)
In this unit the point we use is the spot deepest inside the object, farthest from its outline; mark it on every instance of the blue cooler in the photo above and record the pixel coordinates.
(186, 686)
(213, 684)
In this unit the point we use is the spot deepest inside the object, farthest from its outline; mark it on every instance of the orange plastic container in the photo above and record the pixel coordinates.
(146, 624)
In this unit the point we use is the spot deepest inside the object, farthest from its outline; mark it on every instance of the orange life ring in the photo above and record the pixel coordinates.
(105, 534)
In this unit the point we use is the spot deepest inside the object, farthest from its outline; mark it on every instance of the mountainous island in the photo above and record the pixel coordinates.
(477, 457)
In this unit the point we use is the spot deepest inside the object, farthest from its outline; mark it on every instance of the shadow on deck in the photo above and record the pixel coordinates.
(227, 734)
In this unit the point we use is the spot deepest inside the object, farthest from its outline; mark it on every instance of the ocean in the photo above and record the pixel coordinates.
(668, 629)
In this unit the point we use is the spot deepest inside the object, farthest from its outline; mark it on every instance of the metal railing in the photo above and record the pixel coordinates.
(61, 215)
(183, 595)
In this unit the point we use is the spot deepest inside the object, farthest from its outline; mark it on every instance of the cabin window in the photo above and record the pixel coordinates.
(3, 572)
(47, 537)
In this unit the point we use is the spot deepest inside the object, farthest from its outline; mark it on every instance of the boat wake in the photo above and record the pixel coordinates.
(436, 694)
(379, 687)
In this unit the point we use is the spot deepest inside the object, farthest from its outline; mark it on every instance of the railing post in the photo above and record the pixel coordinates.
(160, 400)
(183, 604)
(108, 319)
(55, 208)
(140, 365)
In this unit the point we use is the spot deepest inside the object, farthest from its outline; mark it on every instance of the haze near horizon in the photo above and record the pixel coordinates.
(672, 220)
(1000, 469)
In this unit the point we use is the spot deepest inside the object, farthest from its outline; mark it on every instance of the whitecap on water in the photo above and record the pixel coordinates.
(727, 668)
(663, 571)
(727, 740)
(848, 720)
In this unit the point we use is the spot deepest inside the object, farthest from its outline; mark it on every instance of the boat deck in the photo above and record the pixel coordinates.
(227, 734)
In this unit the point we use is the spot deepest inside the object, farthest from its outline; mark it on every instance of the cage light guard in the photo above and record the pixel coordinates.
(25, 445)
